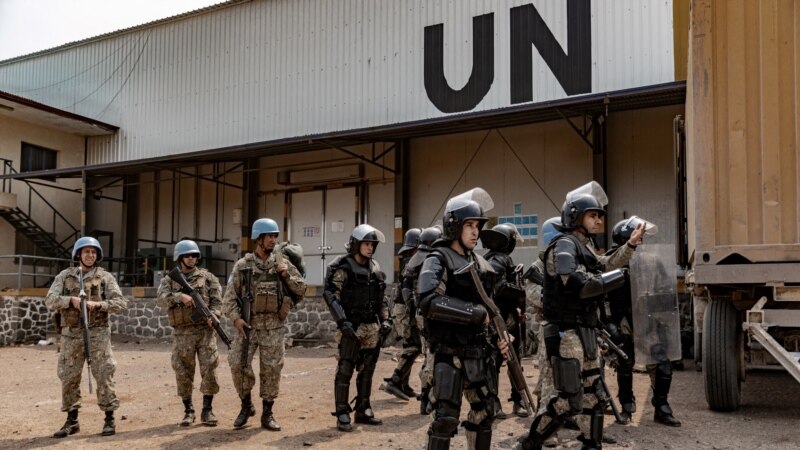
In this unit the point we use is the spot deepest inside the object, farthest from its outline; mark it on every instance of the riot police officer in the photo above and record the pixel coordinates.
(103, 296)
(192, 338)
(275, 284)
(405, 324)
(354, 292)
(575, 281)
(621, 328)
(509, 295)
(456, 325)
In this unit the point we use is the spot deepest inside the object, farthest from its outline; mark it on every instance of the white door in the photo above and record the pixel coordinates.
(321, 222)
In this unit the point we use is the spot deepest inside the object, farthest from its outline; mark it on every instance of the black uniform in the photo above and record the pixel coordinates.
(412, 346)
(461, 344)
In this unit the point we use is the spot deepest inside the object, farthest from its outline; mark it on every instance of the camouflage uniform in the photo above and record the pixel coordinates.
(193, 338)
(270, 307)
(101, 287)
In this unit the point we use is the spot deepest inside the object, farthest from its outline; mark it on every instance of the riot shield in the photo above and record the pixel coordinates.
(656, 322)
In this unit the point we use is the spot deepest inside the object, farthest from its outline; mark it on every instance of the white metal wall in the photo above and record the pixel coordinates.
(265, 70)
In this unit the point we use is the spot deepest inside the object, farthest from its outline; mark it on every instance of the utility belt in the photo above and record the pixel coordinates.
(467, 351)
(552, 339)
(72, 318)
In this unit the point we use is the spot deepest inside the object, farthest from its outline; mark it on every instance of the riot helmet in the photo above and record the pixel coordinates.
(624, 228)
(87, 241)
(264, 226)
(589, 197)
(550, 229)
(411, 241)
(502, 238)
(364, 233)
(185, 247)
(471, 205)
(429, 236)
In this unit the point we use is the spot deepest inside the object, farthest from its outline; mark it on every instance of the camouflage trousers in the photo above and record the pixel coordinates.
(570, 347)
(545, 369)
(270, 347)
(402, 321)
(70, 368)
(202, 343)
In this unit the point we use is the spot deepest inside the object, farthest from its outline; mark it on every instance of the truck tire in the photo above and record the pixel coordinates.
(720, 356)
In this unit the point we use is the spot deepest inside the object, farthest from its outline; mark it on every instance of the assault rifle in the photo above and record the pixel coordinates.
(201, 310)
(604, 341)
(522, 318)
(514, 368)
(85, 326)
(245, 308)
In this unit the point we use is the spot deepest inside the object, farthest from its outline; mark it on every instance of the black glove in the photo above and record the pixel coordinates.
(386, 327)
(347, 330)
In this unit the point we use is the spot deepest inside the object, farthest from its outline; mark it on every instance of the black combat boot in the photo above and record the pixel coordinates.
(364, 412)
(661, 385)
(663, 414)
(207, 416)
(247, 411)
(109, 427)
(188, 412)
(342, 415)
(267, 419)
(393, 385)
(70, 426)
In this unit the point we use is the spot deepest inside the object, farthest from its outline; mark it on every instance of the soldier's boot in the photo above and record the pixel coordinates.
(207, 416)
(538, 437)
(518, 409)
(70, 426)
(109, 426)
(626, 398)
(425, 407)
(595, 439)
(267, 419)
(394, 386)
(661, 385)
(364, 412)
(405, 373)
(342, 413)
(188, 412)
(499, 413)
(247, 411)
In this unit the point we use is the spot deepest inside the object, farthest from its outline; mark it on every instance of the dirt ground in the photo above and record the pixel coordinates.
(150, 410)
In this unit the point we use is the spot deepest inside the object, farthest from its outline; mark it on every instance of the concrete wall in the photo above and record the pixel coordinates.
(70, 154)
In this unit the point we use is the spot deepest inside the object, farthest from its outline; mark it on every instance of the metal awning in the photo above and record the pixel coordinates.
(23, 109)
(673, 93)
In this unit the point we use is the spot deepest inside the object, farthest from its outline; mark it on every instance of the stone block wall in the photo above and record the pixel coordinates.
(23, 319)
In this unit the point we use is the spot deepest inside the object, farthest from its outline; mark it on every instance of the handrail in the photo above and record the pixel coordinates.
(21, 263)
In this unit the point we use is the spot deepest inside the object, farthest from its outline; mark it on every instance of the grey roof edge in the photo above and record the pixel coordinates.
(59, 112)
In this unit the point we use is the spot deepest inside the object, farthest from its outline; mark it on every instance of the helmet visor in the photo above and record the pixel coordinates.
(478, 195)
(592, 188)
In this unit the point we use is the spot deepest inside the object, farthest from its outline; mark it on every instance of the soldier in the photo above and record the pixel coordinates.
(456, 325)
(192, 338)
(575, 281)
(405, 323)
(276, 284)
(354, 292)
(103, 296)
(509, 295)
(622, 332)
(409, 287)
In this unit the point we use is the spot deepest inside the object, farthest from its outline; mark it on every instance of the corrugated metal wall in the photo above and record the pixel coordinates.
(265, 70)
(744, 112)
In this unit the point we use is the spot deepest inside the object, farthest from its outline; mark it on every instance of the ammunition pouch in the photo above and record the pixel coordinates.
(71, 317)
(267, 298)
(180, 316)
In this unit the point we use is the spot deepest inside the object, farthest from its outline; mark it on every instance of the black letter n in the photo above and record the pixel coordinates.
(572, 70)
(439, 92)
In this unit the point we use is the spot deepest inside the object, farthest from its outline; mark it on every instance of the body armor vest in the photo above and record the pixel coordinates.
(511, 295)
(462, 287)
(362, 294)
(95, 292)
(180, 315)
(567, 307)
(266, 287)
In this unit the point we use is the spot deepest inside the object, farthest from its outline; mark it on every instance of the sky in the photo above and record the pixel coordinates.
(28, 26)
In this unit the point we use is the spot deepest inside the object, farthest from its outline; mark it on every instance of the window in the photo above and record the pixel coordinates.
(35, 157)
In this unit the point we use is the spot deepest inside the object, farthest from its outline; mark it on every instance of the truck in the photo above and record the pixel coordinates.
(740, 227)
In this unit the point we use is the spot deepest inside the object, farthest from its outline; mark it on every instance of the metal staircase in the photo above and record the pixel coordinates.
(23, 222)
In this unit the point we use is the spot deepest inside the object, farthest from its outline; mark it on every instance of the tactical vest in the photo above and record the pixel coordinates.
(362, 294)
(180, 315)
(568, 308)
(95, 292)
(267, 292)
(462, 287)
(508, 298)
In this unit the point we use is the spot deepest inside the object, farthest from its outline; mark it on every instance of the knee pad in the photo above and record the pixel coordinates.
(447, 383)
(348, 349)
(344, 371)
(445, 426)
(566, 375)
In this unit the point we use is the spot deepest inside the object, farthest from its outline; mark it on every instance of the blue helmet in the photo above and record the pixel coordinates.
(185, 247)
(550, 229)
(86, 241)
(264, 226)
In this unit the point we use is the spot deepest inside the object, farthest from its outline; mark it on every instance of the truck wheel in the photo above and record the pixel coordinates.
(720, 356)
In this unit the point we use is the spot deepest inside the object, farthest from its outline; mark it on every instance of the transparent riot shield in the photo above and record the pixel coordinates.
(656, 321)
